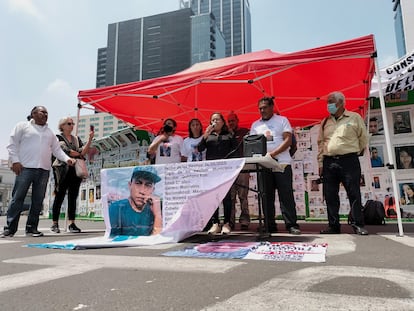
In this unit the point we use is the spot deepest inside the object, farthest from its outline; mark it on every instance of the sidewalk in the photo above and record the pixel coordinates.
(313, 227)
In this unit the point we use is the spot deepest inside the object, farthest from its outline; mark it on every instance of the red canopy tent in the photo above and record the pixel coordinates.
(299, 82)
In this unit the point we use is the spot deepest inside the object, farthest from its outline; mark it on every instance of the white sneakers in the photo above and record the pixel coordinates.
(225, 229)
(215, 228)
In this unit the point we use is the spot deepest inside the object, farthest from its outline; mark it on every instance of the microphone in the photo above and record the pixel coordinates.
(213, 124)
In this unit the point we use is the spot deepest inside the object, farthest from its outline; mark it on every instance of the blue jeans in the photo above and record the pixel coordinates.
(38, 179)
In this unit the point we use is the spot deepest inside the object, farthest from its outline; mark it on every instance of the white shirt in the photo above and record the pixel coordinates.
(33, 145)
(169, 151)
(190, 151)
(273, 130)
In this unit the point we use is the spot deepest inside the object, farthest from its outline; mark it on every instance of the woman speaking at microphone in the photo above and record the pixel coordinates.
(219, 143)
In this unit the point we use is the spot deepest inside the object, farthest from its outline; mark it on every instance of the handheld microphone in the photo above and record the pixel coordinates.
(213, 124)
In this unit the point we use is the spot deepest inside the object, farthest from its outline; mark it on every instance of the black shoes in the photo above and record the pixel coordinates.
(294, 231)
(34, 233)
(74, 229)
(357, 230)
(6, 234)
(55, 228)
(360, 230)
(331, 230)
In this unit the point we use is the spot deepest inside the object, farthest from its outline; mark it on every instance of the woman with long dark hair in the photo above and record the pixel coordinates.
(189, 151)
(219, 143)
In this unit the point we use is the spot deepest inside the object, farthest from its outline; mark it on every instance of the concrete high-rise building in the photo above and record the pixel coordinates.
(404, 25)
(158, 45)
(232, 17)
(104, 124)
(101, 68)
(146, 47)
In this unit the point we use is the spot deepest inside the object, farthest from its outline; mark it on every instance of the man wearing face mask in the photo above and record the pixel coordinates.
(342, 137)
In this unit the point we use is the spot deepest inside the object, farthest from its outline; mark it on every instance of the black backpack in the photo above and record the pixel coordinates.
(374, 213)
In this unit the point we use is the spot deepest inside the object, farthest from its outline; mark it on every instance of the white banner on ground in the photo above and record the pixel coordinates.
(189, 194)
(397, 77)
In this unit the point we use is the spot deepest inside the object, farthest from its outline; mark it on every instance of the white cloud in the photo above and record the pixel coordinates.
(59, 86)
(61, 93)
(60, 99)
(26, 7)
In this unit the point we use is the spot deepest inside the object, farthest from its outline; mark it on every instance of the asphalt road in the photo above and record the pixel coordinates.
(374, 272)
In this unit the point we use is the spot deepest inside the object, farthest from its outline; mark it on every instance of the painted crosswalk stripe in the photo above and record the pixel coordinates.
(64, 265)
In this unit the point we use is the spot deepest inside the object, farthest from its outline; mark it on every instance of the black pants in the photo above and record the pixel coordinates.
(71, 184)
(227, 206)
(345, 170)
(283, 183)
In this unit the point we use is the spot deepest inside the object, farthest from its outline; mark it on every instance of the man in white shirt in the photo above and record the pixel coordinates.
(278, 133)
(31, 146)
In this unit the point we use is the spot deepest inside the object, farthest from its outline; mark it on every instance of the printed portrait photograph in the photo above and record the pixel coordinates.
(376, 156)
(407, 193)
(401, 122)
(375, 124)
(404, 157)
(134, 201)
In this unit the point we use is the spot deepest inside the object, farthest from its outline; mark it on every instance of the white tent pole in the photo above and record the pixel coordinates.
(77, 117)
(391, 165)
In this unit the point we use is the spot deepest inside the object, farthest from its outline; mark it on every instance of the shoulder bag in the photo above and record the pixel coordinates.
(80, 164)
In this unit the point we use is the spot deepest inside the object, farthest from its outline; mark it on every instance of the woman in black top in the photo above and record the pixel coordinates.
(219, 143)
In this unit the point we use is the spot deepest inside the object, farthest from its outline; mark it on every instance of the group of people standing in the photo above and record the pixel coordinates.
(222, 140)
(32, 145)
(342, 138)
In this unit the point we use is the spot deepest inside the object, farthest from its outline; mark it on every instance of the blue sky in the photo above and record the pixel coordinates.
(48, 47)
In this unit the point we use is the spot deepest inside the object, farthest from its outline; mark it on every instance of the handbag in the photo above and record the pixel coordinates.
(81, 169)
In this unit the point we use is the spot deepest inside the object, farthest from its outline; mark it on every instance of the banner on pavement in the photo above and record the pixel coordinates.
(186, 195)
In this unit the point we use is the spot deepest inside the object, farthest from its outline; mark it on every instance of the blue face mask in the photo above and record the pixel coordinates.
(332, 109)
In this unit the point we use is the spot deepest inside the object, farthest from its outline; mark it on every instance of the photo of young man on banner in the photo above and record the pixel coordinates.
(140, 213)
(154, 202)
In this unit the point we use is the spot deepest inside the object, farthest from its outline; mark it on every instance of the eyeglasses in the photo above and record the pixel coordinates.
(70, 123)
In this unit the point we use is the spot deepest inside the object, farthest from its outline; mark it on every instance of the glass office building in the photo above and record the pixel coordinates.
(207, 41)
(145, 48)
(404, 26)
(233, 19)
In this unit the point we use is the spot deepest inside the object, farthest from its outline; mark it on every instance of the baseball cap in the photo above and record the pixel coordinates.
(147, 172)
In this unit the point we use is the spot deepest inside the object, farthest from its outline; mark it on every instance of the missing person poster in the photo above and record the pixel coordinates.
(154, 204)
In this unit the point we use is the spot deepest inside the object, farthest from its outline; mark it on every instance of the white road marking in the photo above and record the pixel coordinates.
(71, 264)
(17, 280)
(8, 240)
(292, 291)
(407, 240)
(338, 244)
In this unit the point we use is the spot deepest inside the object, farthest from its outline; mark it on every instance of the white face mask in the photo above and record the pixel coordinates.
(332, 109)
